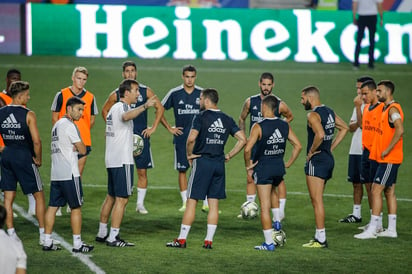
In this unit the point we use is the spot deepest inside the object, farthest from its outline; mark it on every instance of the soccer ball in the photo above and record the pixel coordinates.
(249, 210)
(138, 145)
(279, 237)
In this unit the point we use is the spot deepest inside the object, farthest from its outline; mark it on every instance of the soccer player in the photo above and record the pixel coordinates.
(143, 161)
(184, 100)
(388, 148)
(269, 139)
(252, 106)
(66, 186)
(321, 125)
(370, 124)
(21, 155)
(205, 149)
(355, 156)
(86, 122)
(5, 99)
(13, 259)
(119, 161)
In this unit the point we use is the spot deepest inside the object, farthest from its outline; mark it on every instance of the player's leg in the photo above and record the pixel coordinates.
(316, 187)
(141, 190)
(282, 199)
(9, 197)
(265, 192)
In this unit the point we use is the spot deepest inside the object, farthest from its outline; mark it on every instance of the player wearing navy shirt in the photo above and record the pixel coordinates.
(268, 139)
(21, 155)
(252, 106)
(322, 122)
(184, 100)
(205, 148)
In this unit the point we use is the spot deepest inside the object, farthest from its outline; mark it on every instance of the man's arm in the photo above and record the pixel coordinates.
(316, 125)
(380, 11)
(358, 107)
(159, 113)
(354, 12)
(241, 141)
(35, 136)
(190, 143)
(297, 147)
(343, 129)
(133, 113)
(255, 135)
(244, 114)
(110, 101)
(80, 147)
(398, 124)
(285, 111)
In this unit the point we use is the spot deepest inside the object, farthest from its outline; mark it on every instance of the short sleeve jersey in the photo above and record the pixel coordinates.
(64, 162)
(214, 128)
(327, 117)
(185, 107)
(272, 144)
(356, 143)
(255, 111)
(119, 137)
(140, 122)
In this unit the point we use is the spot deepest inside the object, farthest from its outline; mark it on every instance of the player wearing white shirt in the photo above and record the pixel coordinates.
(119, 161)
(355, 156)
(66, 186)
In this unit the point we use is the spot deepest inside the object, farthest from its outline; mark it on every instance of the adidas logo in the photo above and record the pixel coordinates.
(276, 137)
(330, 123)
(54, 135)
(217, 126)
(11, 122)
(181, 102)
(254, 108)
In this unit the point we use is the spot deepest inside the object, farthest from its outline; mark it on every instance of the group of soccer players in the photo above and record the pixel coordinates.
(377, 118)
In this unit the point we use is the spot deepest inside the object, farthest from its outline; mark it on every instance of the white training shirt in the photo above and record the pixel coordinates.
(356, 144)
(367, 7)
(119, 137)
(64, 158)
(12, 254)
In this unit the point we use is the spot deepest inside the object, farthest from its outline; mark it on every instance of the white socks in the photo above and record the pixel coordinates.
(211, 229)
(184, 231)
(320, 235)
(141, 194)
(183, 194)
(357, 211)
(251, 198)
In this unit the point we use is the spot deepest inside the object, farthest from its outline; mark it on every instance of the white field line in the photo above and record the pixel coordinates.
(344, 70)
(242, 190)
(85, 259)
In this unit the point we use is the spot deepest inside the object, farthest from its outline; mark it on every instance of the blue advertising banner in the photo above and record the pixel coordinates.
(10, 29)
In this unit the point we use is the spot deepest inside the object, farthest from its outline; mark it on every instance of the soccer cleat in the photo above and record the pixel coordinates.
(119, 243)
(365, 227)
(59, 212)
(178, 243)
(277, 225)
(85, 248)
(387, 233)
(316, 244)
(205, 208)
(101, 239)
(265, 246)
(351, 219)
(55, 242)
(366, 234)
(141, 209)
(183, 208)
(52, 247)
(207, 245)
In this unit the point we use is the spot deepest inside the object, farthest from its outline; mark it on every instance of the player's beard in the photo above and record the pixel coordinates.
(307, 105)
(265, 92)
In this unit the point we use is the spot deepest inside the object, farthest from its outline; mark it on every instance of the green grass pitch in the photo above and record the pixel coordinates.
(234, 240)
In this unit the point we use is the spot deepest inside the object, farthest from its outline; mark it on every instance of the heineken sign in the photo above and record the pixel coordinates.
(210, 34)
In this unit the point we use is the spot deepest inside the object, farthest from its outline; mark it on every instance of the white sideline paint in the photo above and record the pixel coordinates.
(85, 259)
(242, 190)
